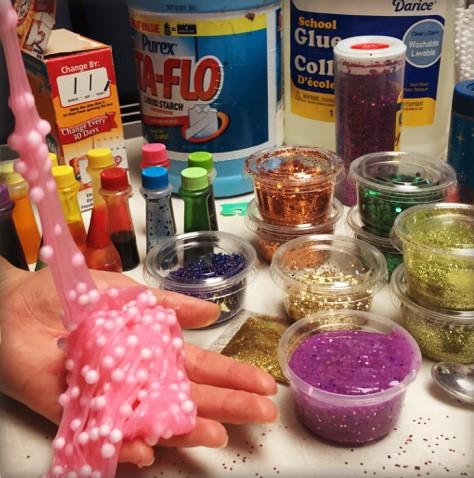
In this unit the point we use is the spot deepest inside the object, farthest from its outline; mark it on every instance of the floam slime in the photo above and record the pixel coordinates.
(124, 353)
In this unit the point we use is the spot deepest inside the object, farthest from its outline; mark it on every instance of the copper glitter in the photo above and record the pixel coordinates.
(294, 185)
(256, 343)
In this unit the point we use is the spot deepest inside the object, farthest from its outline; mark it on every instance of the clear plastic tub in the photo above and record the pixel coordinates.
(271, 236)
(327, 272)
(294, 184)
(211, 265)
(384, 244)
(443, 335)
(389, 182)
(350, 419)
(437, 241)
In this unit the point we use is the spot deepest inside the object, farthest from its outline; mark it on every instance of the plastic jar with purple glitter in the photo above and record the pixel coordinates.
(271, 236)
(348, 371)
(294, 184)
(211, 265)
(369, 76)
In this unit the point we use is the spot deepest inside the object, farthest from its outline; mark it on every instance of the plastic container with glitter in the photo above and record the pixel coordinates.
(294, 184)
(389, 182)
(211, 265)
(346, 399)
(271, 236)
(437, 241)
(443, 335)
(384, 244)
(327, 272)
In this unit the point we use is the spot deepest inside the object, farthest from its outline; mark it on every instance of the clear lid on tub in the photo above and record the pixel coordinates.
(399, 173)
(329, 264)
(198, 6)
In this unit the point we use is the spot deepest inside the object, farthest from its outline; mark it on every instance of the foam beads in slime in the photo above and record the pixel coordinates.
(124, 355)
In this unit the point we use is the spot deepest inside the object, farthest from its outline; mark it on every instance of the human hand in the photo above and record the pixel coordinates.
(32, 366)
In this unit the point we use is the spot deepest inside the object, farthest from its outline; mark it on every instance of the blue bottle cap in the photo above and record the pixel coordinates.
(463, 99)
(155, 177)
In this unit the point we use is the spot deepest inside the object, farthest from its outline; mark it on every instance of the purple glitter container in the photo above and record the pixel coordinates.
(347, 419)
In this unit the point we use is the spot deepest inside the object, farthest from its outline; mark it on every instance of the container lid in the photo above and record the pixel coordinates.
(201, 159)
(194, 179)
(53, 157)
(154, 154)
(436, 223)
(369, 48)
(114, 179)
(355, 223)
(256, 223)
(5, 201)
(64, 176)
(463, 98)
(329, 264)
(100, 158)
(171, 254)
(8, 175)
(294, 166)
(155, 177)
(402, 173)
(198, 6)
(400, 295)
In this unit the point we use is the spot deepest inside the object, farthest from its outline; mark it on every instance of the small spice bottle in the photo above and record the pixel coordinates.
(10, 246)
(157, 190)
(116, 192)
(203, 159)
(369, 76)
(194, 191)
(154, 154)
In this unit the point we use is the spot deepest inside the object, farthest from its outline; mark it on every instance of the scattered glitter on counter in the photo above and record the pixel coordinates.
(349, 379)
(294, 185)
(326, 272)
(438, 249)
(442, 335)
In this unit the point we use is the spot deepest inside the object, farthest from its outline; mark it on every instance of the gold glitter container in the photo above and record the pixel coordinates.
(294, 184)
(443, 335)
(271, 236)
(437, 241)
(327, 272)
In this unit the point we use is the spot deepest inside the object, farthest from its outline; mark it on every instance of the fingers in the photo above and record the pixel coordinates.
(212, 368)
(136, 452)
(233, 406)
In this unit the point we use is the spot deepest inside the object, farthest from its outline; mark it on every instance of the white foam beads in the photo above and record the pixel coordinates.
(126, 380)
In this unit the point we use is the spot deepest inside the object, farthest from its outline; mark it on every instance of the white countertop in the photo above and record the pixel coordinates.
(434, 437)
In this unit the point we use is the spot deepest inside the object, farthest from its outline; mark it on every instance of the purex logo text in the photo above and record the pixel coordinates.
(405, 6)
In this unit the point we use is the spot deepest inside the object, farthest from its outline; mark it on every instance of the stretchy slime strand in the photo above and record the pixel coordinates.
(124, 355)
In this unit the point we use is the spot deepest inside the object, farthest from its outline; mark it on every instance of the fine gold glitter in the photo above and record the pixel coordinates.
(256, 343)
(438, 279)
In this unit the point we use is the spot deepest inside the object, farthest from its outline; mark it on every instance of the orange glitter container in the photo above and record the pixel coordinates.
(294, 184)
(271, 236)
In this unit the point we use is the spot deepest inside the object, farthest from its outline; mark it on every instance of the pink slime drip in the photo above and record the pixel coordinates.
(125, 357)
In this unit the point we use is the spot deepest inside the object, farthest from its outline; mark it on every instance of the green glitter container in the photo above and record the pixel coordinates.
(443, 335)
(389, 182)
(437, 241)
(384, 244)
(327, 272)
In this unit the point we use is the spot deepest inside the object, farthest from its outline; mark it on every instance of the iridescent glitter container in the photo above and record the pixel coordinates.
(437, 241)
(443, 335)
(348, 372)
(211, 265)
(294, 184)
(368, 91)
(327, 272)
(384, 244)
(389, 182)
(271, 236)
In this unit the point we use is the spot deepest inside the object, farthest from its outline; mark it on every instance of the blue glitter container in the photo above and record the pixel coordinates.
(210, 265)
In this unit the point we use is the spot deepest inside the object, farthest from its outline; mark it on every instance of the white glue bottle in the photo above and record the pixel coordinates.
(311, 29)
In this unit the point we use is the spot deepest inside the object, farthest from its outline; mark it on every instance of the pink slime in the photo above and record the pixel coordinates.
(124, 353)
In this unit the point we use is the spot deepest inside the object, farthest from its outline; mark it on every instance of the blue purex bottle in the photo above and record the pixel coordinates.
(209, 75)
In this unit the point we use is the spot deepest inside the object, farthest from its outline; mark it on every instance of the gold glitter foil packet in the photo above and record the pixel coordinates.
(253, 338)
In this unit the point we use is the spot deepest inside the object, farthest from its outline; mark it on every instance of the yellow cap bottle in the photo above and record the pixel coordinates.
(98, 159)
